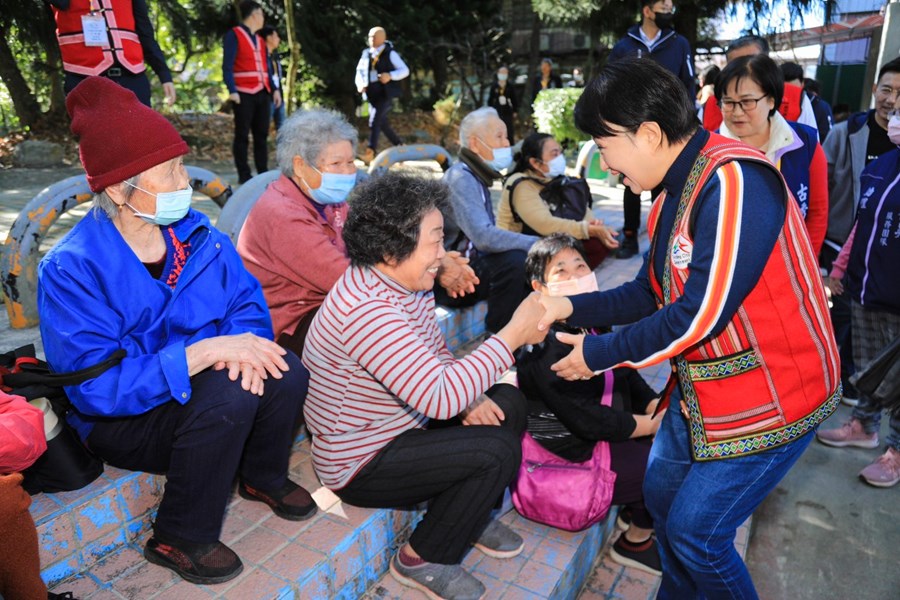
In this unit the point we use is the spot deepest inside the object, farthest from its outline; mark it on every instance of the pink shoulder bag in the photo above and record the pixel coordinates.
(563, 494)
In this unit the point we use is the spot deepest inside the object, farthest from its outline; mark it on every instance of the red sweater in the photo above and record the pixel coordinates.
(296, 254)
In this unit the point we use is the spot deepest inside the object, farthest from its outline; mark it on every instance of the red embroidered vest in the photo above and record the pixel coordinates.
(251, 71)
(124, 46)
(791, 102)
(773, 373)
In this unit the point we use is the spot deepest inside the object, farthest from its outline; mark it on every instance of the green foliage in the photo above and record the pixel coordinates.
(553, 114)
(567, 11)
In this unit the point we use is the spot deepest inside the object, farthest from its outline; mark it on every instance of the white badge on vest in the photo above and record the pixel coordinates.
(501, 100)
(275, 81)
(682, 250)
(94, 29)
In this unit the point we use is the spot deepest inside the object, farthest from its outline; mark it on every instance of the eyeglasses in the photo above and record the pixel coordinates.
(747, 104)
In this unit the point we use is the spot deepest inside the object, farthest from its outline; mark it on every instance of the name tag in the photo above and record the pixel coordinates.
(276, 80)
(94, 29)
(501, 100)
(373, 76)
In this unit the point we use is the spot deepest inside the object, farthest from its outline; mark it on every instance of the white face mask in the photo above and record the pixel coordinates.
(557, 166)
(894, 129)
(573, 287)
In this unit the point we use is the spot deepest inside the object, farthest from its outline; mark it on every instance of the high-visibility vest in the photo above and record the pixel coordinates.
(124, 45)
(251, 72)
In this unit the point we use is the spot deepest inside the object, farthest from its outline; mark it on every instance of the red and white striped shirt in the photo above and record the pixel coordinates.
(380, 366)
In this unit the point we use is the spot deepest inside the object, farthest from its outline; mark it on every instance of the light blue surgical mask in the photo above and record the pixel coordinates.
(502, 156)
(334, 187)
(557, 166)
(502, 76)
(170, 206)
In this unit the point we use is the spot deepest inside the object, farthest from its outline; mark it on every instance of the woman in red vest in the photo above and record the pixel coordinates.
(731, 295)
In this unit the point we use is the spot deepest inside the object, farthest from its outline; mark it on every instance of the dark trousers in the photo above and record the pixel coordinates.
(840, 320)
(632, 209)
(295, 341)
(378, 122)
(501, 281)
(628, 460)
(507, 117)
(200, 446)
(251, 116)
(460, 471)
(139, 84)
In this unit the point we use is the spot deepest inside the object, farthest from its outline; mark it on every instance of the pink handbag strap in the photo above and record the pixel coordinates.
(607, 388)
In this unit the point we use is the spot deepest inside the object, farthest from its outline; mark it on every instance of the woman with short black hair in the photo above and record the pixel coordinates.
(749, 91)
(730, 293)
(384, 384)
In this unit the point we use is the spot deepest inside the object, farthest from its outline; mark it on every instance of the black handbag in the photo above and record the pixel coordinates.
(67, 464)
(880, 379)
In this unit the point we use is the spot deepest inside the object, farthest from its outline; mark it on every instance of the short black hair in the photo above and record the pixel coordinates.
(247, 7)
(812, 86)
(386, 213)
(761, 69)
(532, 147)
(791, 71)
(266, 31)
(632, 91)
(710, 74)
(888, 67)
(760, 42)
(542, 252)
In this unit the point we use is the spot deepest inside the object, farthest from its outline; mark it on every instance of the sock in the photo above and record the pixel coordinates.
(409, 561)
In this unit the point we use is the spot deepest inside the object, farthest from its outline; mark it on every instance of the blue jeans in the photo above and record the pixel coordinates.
(698, 506)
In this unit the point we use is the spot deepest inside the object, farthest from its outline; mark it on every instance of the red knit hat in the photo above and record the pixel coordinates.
(118, 137)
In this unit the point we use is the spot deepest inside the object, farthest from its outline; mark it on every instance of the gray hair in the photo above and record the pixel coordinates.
(102, 201)
(474, 122)
(306, 133)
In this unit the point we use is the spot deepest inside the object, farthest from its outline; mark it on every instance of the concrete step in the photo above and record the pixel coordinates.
(554, 565)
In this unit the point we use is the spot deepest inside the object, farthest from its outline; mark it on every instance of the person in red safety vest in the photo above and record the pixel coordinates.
(246, 74)
(113, 39)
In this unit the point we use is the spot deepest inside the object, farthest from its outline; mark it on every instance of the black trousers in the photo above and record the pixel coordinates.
(501, 281)
(251, 116)
(628, 460)
(378, 121)
(632, 209)
(840, 320)
(139, 84)
(460, 471)
(200, 446)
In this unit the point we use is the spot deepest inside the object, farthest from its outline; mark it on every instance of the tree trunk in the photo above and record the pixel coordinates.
(294, 62)
(25, 104)
(54, 67)
(439, 68)
(533, 58)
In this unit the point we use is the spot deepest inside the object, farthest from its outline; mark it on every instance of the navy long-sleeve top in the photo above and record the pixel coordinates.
(651, 330)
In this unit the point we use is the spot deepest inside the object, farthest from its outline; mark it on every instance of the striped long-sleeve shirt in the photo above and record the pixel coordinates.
(380, 366)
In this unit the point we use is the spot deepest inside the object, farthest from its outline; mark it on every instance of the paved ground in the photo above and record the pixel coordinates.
(821, 534)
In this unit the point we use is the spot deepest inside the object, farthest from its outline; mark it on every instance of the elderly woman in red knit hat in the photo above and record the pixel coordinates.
(203, 393)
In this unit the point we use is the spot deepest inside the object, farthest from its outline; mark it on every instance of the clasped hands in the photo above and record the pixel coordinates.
(248, 356)
(573, 366)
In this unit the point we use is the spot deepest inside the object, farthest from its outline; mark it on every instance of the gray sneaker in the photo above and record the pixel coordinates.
(439, 582)
(499, 541)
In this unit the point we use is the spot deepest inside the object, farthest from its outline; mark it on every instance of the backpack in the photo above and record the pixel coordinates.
(67, 464)
(566, 197)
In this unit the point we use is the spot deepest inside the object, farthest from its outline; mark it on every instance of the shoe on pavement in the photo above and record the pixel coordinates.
(851, 394)
(850, 433)
(623, 521)
(290, 502)
(643, 556)
(499, 541)
(439, 582)
(192, 561)
(628, 247)
(885, 471)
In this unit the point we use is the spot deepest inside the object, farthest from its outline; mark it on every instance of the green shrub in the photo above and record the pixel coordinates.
(553, 114)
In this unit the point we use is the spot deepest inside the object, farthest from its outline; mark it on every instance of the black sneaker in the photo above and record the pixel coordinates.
(643, 556)
(291, 502)
(194, 562)
(628, 247)
(623, 521)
